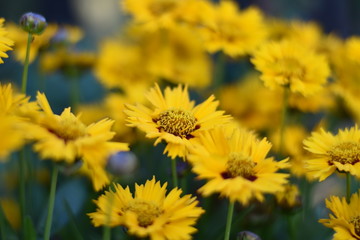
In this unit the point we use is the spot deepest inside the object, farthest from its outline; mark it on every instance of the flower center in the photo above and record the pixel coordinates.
(346, 152)
(356, 222)
(239, 165)
(160, 7)
(146, 211)
(68, 128)
(289, 68)
(177, 122)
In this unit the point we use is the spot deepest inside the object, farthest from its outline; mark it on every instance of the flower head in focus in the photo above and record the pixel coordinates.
(5, 42)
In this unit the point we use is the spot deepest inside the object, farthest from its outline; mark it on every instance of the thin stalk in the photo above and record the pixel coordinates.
(107, 228)
(174, 172)
(291, 226)
(26, 65)
(229, 220)
(54, 176)
(106, 233)
(22, 168)
(348, 187)
(219, 74)
(284, 118)
(2, 223)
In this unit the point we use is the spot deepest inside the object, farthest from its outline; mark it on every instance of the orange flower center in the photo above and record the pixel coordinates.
(239, 165)
(345, 153)
(177, 122)
(356, 222)
(146, 211)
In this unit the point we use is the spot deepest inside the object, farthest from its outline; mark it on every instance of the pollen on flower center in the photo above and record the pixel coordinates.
(356, 222)
(146, 211)
(69, 128)
(239, 165)
(177, 122)
(346, 152)
(161, 7)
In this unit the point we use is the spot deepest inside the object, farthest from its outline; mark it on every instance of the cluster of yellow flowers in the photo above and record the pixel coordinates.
(162, 57)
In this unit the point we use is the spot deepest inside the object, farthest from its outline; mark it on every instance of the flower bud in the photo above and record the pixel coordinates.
(33, 23)
(122, 163)
(247, 235)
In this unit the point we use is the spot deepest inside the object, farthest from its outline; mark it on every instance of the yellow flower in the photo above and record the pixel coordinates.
(289, 197)
(154, 14)
(65, 138)
(150, 212)
(5, 42)
(333, 152)
(289, 64)
(174, 118)
(345, 217)
(118, 65)
(234, 163)
(20, 38)
(12, 137)
(177, 55)
(352, 48)
(234, 32)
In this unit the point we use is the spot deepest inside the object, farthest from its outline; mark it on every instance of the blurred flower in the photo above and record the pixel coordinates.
(65, 138)
(234, 162)
(11, 211)
(287, 63)
(234, 32)
(333, 152)
(345, 217)
(121, 65)
(174, 119)
(39, 41)
(289, 198)
(11, 136)
(5, 42)
(150, 213)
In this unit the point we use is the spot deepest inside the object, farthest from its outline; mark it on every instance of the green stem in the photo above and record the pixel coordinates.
(348, 187)
(22, 167)
(229, 220)
(291, 226)
(2, 223)
(51, 203)
(26, 65)
(283, 118)
(174, 172)
(107, 233)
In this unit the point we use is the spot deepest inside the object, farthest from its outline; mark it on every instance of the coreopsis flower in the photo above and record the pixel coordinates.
(234, 32)
(64, 138)
(288, 64)
(150, 212)
(234, 163)
(11, 136)
(333, 152)
(5, 42)
(345, 217)
(39, 41)
(289, 198)
(174, 118)
(153, 14)
(118, 65)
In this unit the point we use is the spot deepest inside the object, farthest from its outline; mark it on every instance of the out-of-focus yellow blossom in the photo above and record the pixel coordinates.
(150, 213)
(65, 138)
(154, 14)
(5, 42)
(122, 65)
(289, 64)
(234, 163)
(39, 41)
(11, 211)
(177, 55)
(232, 31)
(333, 152)
(174, 118)
(253, 105)
(289, 198)
(352, 49)
(63, 59)
(322, 101)
(68, 34)
(198, 12)
(345, 217)
(11, 136)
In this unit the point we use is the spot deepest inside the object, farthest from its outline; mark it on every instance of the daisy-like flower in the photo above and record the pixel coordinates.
(65, 138)
(333, 152)
(345, 217)
(290, 197)
(234, 163)
(287, 63)
(174, 118)
(232, 31)
(150, 212)
(5, 42)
